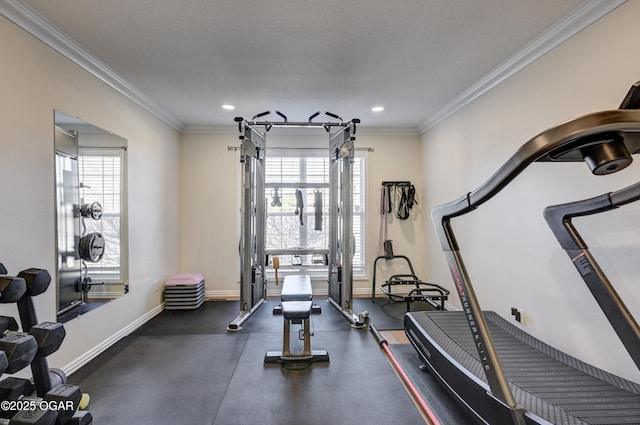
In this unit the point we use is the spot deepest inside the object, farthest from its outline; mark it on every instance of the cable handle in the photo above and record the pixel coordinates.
(276, 266)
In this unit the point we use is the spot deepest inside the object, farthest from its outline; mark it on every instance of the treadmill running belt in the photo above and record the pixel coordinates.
(552, 386)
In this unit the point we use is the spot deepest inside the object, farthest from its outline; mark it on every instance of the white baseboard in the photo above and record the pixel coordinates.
(98, 349)
(235, 295)
(106, 295)
(275, 292)
(222, 295)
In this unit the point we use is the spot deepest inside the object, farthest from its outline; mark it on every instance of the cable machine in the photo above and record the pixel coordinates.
(253, 255)
(253, 281)
(341, 240)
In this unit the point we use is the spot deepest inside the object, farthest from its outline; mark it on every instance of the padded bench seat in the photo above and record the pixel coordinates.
(296, 310)
(296, 288)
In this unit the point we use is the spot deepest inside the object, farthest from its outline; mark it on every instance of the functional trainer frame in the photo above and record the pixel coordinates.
(253, 256)
(253, 280)
(341, 239)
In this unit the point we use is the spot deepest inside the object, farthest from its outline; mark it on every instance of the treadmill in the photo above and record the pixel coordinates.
(496, 371)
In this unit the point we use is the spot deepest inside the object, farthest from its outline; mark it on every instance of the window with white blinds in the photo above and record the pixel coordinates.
(288, 230)
(102, 179)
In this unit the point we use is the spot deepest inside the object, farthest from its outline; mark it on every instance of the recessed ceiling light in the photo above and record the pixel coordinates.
(377, 109)
(228, 107)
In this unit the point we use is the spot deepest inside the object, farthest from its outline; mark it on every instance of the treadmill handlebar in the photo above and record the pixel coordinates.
(572, 141)
(626, 196)
(441, 217)
(559, 217)
(632, 99)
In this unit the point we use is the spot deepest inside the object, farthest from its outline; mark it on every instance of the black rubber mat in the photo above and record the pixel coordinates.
(183, 367)
(545, 381)
(386, 314)
(357, 387)
(211, 318)
(170, 379)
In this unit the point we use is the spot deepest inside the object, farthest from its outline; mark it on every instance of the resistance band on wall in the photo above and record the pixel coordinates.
(402, 196)
(407, 199)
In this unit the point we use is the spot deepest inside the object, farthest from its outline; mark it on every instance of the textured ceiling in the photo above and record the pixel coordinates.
(298, 57)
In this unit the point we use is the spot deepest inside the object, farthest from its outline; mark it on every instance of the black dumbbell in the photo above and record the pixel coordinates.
(16, 350)
(16, 346)
(11, 288)
(13, 388)
(37, 281)
(8, 323)
(31, 417)
(20, 349)
(49, 335)
(81, 417)
(63, 400)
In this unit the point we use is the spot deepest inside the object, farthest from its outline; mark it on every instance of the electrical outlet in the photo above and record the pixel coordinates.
(517, 313)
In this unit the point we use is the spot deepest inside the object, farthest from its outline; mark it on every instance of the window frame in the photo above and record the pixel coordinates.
(98, 271)
(321, 271)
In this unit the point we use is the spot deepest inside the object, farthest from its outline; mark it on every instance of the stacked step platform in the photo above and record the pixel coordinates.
(184, 291)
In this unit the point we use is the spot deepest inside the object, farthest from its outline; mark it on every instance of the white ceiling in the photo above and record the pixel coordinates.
(414, 57)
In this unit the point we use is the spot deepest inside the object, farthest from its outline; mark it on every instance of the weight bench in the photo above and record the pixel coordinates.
(296, 307)
(297, 288)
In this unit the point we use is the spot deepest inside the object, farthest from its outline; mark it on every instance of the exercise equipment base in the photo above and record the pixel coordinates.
(316, 356)
(315, 309)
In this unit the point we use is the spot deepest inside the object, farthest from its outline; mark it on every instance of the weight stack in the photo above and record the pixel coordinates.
(184, 291)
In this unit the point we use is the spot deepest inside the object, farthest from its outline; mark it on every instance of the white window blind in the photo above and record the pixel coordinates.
(284, 231)
(101, 179)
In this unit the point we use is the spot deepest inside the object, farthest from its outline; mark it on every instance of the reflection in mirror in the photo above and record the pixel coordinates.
(91, 219)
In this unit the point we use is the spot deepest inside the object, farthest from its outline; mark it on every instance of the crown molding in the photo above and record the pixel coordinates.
(362, 130)
(583, 16)
(36, 25)
(210, 129)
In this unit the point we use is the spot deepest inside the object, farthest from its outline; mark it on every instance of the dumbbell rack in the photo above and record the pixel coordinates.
(39, 341)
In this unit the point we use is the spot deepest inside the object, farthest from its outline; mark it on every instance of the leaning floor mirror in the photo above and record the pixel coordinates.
(91, 216)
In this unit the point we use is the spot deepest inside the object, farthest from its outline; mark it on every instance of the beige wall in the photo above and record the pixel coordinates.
(210, 189)
(35, 80)
(210, 211)
(512, 257)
